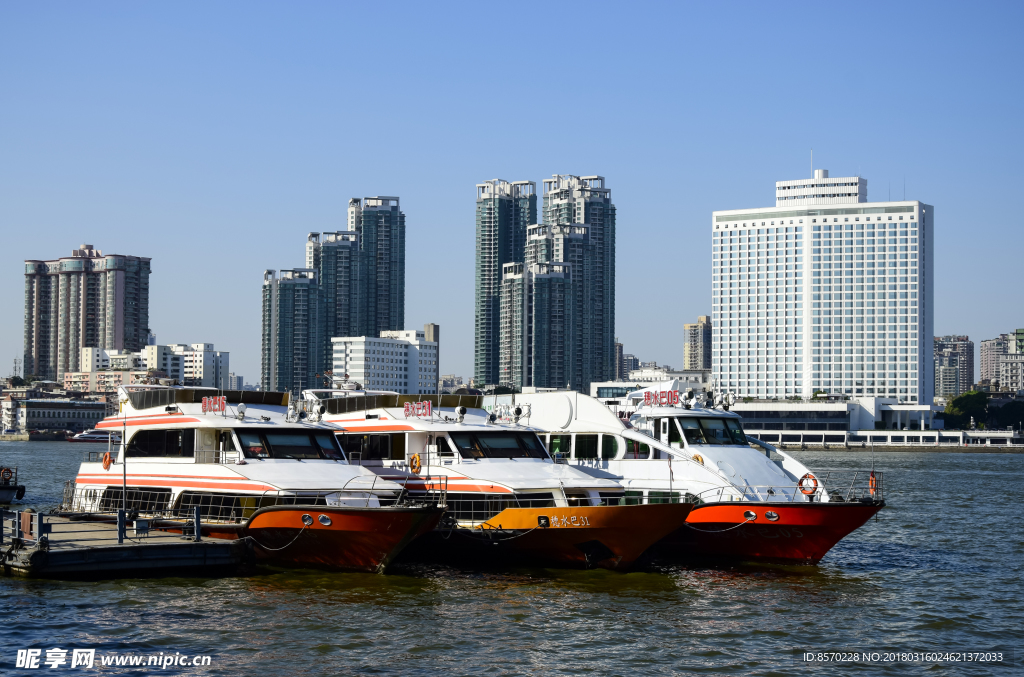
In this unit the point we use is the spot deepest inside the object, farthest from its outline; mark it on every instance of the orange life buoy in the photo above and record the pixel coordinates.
(6, 474)
(872, 483)
(414, 463)
(107, 460)
(698, 458)
(808, 484)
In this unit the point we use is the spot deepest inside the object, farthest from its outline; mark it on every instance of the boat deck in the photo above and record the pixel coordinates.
(70, 548)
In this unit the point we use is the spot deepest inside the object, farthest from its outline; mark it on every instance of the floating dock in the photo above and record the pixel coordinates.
(56, 546)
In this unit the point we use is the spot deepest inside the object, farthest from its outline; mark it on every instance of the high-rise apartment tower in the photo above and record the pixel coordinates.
(340, 266)
(991, 351)
(292, 331)
(504, 210)
(84, 300)
(380, 225)
(577, 201)
(824, 291)
(964, 348)
(697, 349)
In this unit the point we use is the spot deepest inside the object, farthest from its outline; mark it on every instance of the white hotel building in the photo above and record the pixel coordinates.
(403, 361)
(825, 291)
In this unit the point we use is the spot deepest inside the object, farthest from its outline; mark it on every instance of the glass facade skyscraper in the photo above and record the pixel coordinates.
(825, 291)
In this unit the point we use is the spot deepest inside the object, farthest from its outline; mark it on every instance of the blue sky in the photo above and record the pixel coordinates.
(213, 137)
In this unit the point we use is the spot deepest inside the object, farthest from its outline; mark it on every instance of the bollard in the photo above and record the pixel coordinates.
(197, 526)
(120, 526)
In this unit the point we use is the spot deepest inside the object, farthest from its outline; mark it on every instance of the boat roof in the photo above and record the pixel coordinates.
(362, 411)
(177, 407)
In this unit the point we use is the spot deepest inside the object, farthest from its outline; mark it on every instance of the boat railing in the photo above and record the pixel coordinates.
(427, 489)
(852, 485)
(40, 530)
(9, 476)
(230, 508)
(834, 486)
(217, 457)
(474, 509)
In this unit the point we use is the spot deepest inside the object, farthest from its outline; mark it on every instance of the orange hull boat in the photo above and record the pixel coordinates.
(788, 532)
(610, 537)
(350, 539)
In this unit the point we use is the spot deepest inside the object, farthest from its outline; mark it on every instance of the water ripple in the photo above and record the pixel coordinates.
(938, 569)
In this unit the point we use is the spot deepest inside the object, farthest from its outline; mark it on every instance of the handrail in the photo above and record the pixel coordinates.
(223, 507)
(832, 486)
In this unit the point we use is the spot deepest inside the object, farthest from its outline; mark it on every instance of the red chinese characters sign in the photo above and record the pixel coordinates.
(665, 398)
(214, 404)
(418, 409)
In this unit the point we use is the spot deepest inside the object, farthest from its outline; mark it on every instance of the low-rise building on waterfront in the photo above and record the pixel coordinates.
(47, 414)
(195, 364)
(403, 361)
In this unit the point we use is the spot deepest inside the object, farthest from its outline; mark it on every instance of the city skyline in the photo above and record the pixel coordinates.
(158, 157)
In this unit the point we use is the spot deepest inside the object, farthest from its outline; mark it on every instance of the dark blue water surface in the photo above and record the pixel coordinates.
(938, 570)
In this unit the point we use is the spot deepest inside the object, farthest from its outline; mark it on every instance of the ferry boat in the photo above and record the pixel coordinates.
(753, 501)
(95, 436)
(508, 501)
(10, 490)
(250, 465)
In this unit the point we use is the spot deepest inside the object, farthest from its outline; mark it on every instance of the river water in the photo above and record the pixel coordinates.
(938, 570)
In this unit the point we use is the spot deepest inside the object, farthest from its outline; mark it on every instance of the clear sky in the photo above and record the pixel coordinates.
(213, 137)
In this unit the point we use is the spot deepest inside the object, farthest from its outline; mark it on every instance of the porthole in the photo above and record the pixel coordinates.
(772, 516)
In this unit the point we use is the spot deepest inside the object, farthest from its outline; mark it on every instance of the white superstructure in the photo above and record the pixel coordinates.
(822, 297)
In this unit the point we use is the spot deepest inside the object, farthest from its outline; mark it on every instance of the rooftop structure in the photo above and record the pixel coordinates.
(821, 190)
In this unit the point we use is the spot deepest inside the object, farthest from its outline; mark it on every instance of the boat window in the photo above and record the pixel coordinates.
(328, 444)
(398, 447)
(691, 429)
(495, 445)
(467, 445)
(227, 442)
(375, 447)
(714, 431)
(635, 449)
(351, 445)
(531, 442)
(164, 443)
(561, 444)
(735, 429)
(609, 446)
(292, 445)
(586, 446)
(443, 448)
(253, 446)
(673, 433)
